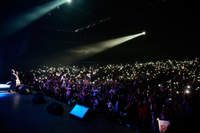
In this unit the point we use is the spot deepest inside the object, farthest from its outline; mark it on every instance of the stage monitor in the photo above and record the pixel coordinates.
(79, 111)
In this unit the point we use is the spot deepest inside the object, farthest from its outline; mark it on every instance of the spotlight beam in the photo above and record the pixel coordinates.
(104, 45)
(79, 53)
(19, 22)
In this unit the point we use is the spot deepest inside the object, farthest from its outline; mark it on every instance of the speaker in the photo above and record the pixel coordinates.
(55, 108)
(38, 98)
(79, 111)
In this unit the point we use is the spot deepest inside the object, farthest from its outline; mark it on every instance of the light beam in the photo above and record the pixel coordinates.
(83, 52)
(20, 21)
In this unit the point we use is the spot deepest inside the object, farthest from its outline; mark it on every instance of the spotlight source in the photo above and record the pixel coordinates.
(144, 33)
(20, 21)
(69, 1)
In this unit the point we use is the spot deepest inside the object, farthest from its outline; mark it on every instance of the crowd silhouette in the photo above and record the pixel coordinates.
(134, 95)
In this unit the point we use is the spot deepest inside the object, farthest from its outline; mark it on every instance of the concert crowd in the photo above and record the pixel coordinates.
(134, 95)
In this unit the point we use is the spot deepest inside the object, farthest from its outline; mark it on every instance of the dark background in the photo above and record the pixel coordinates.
(171, 28)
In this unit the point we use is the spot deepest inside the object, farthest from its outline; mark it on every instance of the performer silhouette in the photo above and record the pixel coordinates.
(13, 81)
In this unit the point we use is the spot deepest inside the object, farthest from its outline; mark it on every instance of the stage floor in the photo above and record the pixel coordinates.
(19, 115)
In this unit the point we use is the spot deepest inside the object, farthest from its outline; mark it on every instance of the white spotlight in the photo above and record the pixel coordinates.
(144, 33)
(86, 51)
(69, 1)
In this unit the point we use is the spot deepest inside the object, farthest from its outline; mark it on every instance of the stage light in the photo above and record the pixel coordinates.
(144, 33)
(4, 94)
(69, 1)
(20, 21)
(86, 51)
(4, 86)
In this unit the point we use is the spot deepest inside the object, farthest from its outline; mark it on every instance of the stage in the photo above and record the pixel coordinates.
(18, 114)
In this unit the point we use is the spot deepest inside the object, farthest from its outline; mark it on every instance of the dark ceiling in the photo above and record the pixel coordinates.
(170, 26)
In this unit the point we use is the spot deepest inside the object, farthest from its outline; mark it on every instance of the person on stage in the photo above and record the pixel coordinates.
(13, 81)
(18, 83)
